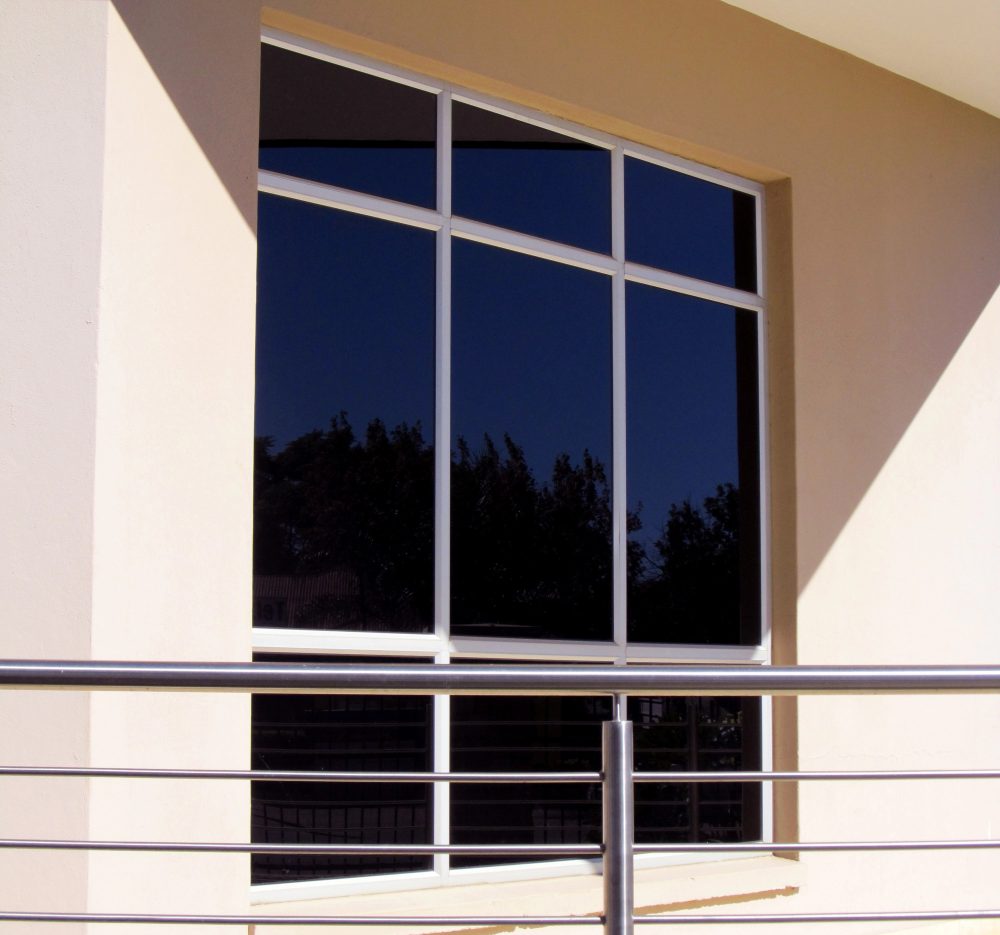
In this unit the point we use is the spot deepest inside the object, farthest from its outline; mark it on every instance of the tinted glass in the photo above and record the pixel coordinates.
(550, 734)
(678, 734)
(531, 389)
(686, 225)
(693, 475)
(516, 175)
(526, 734)
(332, 124)
(343, 473)
(338, 732)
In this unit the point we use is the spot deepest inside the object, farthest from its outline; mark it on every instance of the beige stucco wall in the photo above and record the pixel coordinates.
(127, 283)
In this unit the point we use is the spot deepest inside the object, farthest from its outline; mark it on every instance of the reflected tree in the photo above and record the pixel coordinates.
(343, 538)
(686, 588)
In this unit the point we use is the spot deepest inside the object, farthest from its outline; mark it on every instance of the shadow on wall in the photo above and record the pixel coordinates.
(195, 50)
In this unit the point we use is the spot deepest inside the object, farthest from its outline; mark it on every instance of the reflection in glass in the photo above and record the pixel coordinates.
(693, 472)
(679, 734)
(525, 734)
(516, 175)
(686, 225)
(338, 732)
(531, 389)
(332, 124)
(551, 734)
(343, 472)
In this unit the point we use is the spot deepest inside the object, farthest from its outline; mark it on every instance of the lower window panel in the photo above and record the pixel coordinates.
(339, 732)
(393, 733)
(543, 734)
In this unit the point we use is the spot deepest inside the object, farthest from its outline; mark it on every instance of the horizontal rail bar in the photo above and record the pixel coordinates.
(288, 775)
(392, 850)
(503, 850)
(165, 919)
(679, 776)
(775, 847)
(507, 679)
(931, 915)
(811, 775)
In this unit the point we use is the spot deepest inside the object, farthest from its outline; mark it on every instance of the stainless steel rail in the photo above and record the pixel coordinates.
(505, 679)
(617, 776)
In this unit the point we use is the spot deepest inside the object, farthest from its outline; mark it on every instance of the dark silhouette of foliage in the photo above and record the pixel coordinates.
(354, 518)
(688, 590)
(344, 536)
(527, 559)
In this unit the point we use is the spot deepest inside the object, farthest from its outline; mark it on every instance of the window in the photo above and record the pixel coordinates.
(508, 385)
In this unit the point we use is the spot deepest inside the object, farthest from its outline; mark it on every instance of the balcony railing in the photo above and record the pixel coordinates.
(617, 777)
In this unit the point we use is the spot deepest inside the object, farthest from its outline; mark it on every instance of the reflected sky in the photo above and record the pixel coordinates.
(687, 225)
(513, 174)
(332, 124)
(682, 401)
(531, 355)
(345, 321)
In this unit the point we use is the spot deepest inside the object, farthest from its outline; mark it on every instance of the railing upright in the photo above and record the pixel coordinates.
(619, 895)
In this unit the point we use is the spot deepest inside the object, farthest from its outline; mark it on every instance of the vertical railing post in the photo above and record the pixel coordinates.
(618, 827)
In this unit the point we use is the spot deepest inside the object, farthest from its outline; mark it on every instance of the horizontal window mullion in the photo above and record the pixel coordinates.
(519, 649)
(685, 653)
(345, 199)
(695, 169)
(675, 282)
(532, 246)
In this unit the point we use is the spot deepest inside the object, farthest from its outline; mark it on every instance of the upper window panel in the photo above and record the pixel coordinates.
(686, 225)
(531, 422)
(516, 175)
(344, 462)
(332, 124)
(693, 470)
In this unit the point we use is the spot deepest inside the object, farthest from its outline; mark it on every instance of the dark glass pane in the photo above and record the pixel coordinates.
(693, 472)
(332, 124)
(548, 734)
(343, 472)
(696, 734)
(525, 734)
(531, 389)
(338, 732)
(686, 225)
(519, 176)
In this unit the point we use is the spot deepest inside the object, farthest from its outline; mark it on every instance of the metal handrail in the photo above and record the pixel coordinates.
(499, 679)
(616, 775)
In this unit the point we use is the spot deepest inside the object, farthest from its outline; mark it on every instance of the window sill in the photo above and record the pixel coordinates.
(657, 889)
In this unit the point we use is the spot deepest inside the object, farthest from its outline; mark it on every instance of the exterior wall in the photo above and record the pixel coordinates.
(49, 297)
(128, 288)
(128, 391)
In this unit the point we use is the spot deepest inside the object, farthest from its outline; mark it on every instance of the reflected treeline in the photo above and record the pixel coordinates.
(344, 530)
(344, 539)
(685, 586)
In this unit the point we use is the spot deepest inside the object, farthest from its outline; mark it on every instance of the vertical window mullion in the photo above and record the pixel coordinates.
(442, 482)
(619, 504)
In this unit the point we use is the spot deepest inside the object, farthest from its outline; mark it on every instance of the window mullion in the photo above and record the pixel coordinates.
(619, 504)
(441, 795)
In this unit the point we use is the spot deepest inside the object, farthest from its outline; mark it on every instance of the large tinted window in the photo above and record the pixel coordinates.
(474, 440)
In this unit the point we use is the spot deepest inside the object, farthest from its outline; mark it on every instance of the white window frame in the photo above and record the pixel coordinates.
(439, 646)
